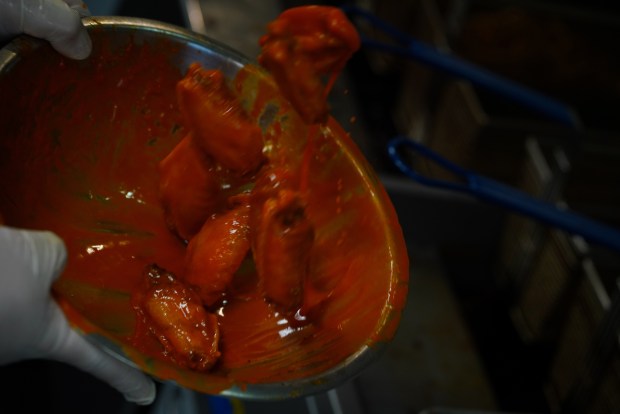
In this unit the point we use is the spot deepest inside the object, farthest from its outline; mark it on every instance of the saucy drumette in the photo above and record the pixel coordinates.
(175, 315)
(190, 188)
(216, 253)
(282, 238)
(221, 127)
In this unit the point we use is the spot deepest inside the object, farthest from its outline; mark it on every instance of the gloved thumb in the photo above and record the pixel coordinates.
(57, 21)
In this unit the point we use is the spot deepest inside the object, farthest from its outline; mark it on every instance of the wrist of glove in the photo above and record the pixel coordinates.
(58, 21)
(33, 326)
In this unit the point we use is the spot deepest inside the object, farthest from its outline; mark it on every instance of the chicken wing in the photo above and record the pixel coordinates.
(189, 187)
(215, 254)
(176, 316)
(302, 45)
(282, 242)
(220, 124)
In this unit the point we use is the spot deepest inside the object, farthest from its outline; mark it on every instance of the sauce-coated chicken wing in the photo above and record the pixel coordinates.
(302, 45)
(189, 188)
(282, 242)
(220, 124)
(215, 254)
(176, 316)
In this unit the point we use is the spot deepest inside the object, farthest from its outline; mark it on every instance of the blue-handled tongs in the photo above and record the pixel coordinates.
(411, 48)
(478, 186)
(492, 191)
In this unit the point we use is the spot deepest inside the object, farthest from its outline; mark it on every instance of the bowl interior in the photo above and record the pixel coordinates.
(78, 155)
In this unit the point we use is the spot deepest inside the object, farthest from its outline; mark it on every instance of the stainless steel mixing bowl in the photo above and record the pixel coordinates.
(71, 131)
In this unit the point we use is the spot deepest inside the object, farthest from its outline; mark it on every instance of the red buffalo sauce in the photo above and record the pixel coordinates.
(64, 172)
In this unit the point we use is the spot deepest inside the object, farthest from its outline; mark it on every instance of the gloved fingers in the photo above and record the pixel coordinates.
(32, 325)
(47, 253)
(63, 344)
(42, 252)
(79, 6)
(30, 262)
(57, 21)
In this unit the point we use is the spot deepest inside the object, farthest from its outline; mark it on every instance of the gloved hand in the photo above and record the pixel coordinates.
(32, 325)
(58, 21)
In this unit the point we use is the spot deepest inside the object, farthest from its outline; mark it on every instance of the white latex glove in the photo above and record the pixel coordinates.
(32, 325)
(58, 21)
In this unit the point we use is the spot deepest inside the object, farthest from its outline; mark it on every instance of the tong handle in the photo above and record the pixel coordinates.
(492, 191)
(408, 47)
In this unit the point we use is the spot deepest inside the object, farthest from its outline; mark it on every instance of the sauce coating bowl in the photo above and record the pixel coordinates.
(80, 145)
